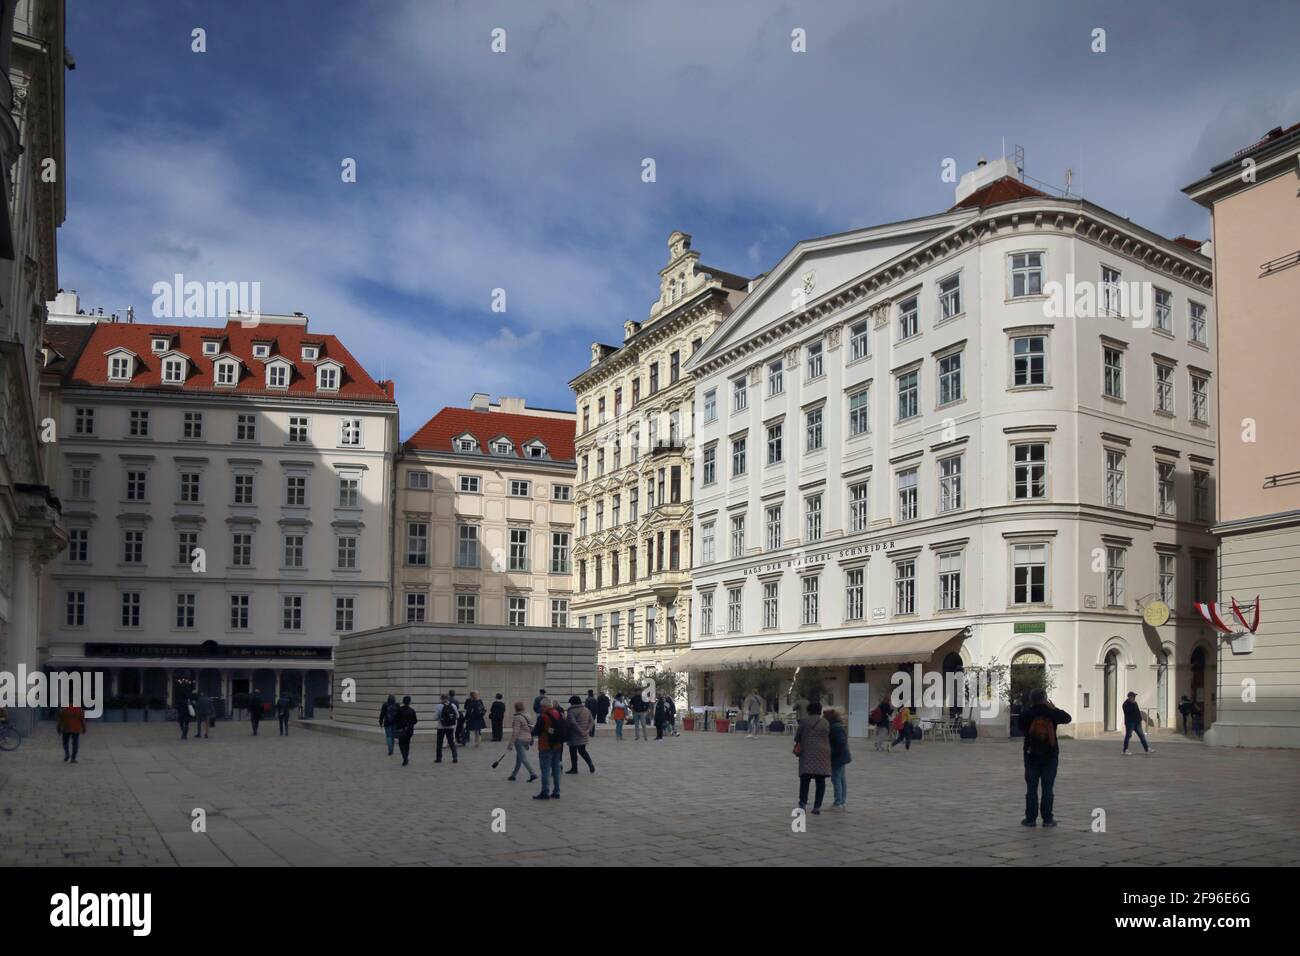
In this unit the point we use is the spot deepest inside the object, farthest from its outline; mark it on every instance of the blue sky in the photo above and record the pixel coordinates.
(522, 170)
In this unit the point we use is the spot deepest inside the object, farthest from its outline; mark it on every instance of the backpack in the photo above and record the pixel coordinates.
(390, 713)
(1040, 738)
(559, 731)
(448, 716)
(875, 718)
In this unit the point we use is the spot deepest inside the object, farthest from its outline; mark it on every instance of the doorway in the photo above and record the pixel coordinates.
(1110, 695)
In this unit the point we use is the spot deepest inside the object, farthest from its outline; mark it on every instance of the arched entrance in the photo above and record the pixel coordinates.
(952, 665)
(1162, 688)
(1027, 673)
(1110, 692)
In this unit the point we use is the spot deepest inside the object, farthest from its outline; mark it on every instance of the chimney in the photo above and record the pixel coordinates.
(985, 173)
(511, 406)
(479, 402)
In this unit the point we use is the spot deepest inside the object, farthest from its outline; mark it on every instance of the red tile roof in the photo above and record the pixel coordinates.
(1001, 190)
(1193, 244)
(286, 342)
(439, 431)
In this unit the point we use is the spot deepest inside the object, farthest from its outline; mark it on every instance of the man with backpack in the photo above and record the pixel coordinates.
(404, 728)
(1038, 723)
(448, 716)
(1133, 722)
(552, 731)
(388, 720)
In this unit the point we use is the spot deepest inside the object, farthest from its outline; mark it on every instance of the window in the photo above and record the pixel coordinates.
(261, 350)
(1200, 399)
(1164, 309)
(710, 469)
(561, 492)
(707, 544)
(349, 491)
(327, 378)
(1029, 354)
(139, 423)
(505, 447)
(600, 516)
(1201, 495)
(1196, 322)
(159, 345)
(241, 549)
(1202, 586)
(192, 425)
(130, 609)
(173, 371)
(74, 609)
(469, 484)
(291, 612)
(245, 428)
(650, 629)
(772, 530)
(466, 608)
(417, 543)
(815, 370)
(136, 485)
(950, 297)
(295, 491)
(812, 518)
(811, 600)
(1111, 292)
(350, 432)
(950, 387)
(467, 553)
(466, 444)
(859, 340)
(618, 402)
(1165, 501)
(1164, 388)
(771, 604)
(909, 395)
(775, 378)
(909, 318)
(560, 613)
(711, 406)
(78, 544)
(855, 600)
(1114, 577)
(345, 552)
(813, 430)
(1029, 574)
(706, 613)
(239, 608)
(119, 368)
(737, 536)
(950, 580)
(859, 510)
(737, 457)
(518, 549)
(521, 489)
(739, 395)
(186, 542)
(294, 550)
(517, 612)
(81, 482)
(186, 606)
(733, 610)
(297, 429)
(1026, 274)
(419, 480)
(226, 373)
(277, 375)
(1029, 471)
(243, 489)
(905, 587)
(859, 415)
(1167, 566)
(633, 498)
(416, 607)
(190, 487)
(654, 378)
(950, 497)
(907, 494)
(560, 560)
(774, 449)
(1115, 461)
(1113, 373)
(83, 422)
(133, 547)
(310, 353)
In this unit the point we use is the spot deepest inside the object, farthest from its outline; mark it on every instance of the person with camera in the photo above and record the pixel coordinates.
(1038, 723)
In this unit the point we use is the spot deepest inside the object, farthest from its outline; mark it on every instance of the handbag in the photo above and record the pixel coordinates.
(798, 749)
(190, 709)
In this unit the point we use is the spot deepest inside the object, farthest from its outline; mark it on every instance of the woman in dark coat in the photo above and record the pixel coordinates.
(814, 740)
(475, 712)
(497, 714)
(840, 758)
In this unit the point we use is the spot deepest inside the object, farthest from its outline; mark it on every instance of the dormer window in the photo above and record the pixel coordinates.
(502, 446)
(310, 353)
(535, 450)
(327, 377)
(119, 368)
(466, 443)
(211, 348)
(227, 373)
(173, 371)
(261, 350)
(277, 375)
(160, 345)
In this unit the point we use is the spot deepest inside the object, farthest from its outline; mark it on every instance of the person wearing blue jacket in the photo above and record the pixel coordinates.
(840, 758)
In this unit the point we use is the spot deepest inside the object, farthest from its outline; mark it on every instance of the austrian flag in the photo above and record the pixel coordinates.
(1213, 614)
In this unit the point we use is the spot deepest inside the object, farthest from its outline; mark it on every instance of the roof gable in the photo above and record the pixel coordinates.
(440, 433)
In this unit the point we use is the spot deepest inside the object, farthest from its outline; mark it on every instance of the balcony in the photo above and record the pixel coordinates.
(668, 446)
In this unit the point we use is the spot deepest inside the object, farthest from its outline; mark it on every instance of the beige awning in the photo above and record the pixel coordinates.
(912, 646)
(716, 658)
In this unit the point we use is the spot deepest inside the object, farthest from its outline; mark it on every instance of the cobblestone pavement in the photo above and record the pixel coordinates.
(319, 799)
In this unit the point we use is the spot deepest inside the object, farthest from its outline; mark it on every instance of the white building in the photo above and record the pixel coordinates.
(924, 461)
(227, 494)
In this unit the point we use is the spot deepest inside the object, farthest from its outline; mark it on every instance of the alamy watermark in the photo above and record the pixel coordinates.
(960, 689)
(53, 690)
(207, 300)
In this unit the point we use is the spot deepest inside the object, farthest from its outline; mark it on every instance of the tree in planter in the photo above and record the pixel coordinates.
(810, 684)
(615, 684)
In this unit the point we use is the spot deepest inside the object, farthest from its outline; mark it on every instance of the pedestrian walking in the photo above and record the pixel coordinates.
(753, 708)
(283, 710)
(497, 715)
(640, 707)
(602, 707)
(672, 715)
(388, 720)
(840, 759)
(812, 742)
(184, 712)
(881, 719)
(203, 713)
(537, 701)
(521, 738)
(619, 712)
(255, 707)
(71, 725)
(475, 718)
(404, 727)
(448, 717)
(1038, 723)
(661, 715)
(551, 733)
(1133, 718)
(1187, 709)
(590, 704)
(902, 725)
(583, 720)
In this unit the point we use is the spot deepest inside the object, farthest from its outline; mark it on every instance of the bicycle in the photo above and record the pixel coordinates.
(9, 737)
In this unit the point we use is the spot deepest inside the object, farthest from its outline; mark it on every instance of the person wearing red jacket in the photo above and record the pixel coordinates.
(552, 735)
(72, 724)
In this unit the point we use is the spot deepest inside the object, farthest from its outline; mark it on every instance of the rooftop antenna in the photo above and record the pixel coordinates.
(1020, 161)
(1069, 179)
